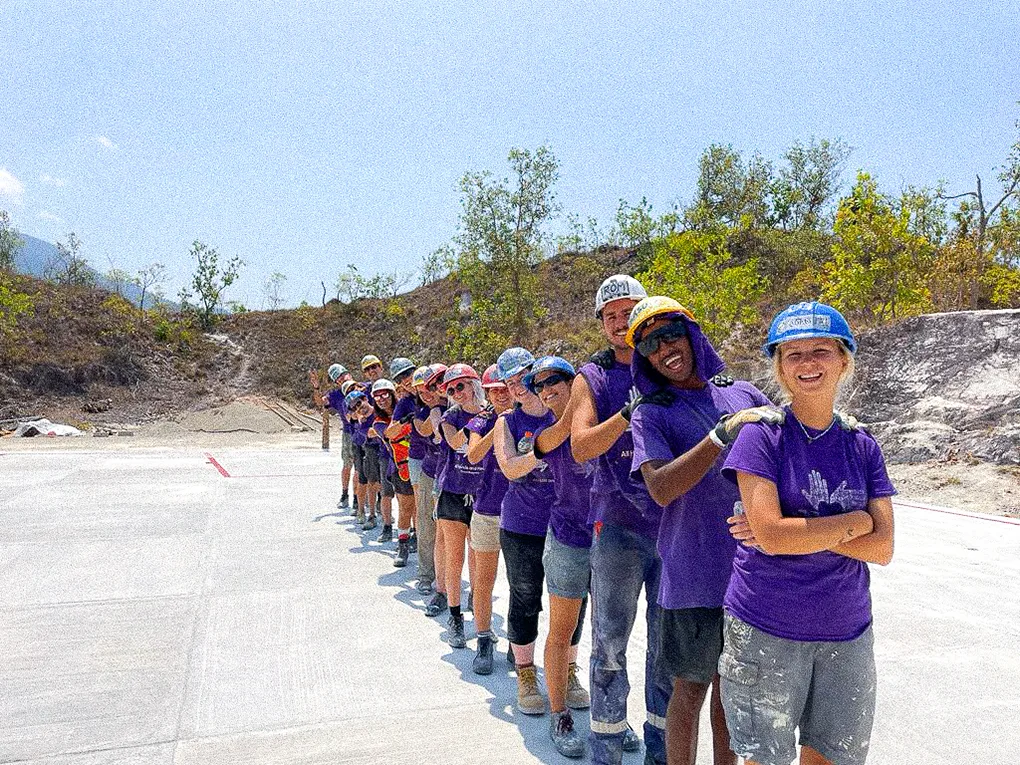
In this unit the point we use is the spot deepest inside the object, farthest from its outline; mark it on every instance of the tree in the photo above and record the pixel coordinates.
(13, 304)
(808, 183)
(273, 288)
(69, 266)
(149, 279)
(208, 282)
(500, 239)
(437, 264)
(120, 280)
(10, 242)
(731, 192)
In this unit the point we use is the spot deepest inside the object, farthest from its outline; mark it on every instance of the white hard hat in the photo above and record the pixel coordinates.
(618, 287)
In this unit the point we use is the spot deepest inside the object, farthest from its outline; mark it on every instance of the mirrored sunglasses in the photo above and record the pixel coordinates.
(456, 388)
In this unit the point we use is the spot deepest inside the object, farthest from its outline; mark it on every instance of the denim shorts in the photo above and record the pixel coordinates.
(373, 473)
(567, 569)
(772, 686)
(346, 448)
(359, 463)
(414, 470)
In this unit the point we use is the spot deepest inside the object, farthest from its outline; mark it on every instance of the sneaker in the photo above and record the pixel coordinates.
(414, 543)
(567, 741)
(530, 700)
(387, 534)
(424, 587)
(577, 696)
(437, 605)
(631, 742)
(469, 602)
(359, 516)
(369, 523)
(456, 630)
(342, 504)
(482, 664)
(510, 657)
(403, 550)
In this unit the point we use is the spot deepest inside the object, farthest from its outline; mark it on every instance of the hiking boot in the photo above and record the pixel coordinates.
(414, 543)
(424, 587)
(530, 700)
(469, 603)
(387, 534)
(567, 741)
(369, 523)
(456, 629)
(342, 504)
(359, 514)
(403, 550)
(577, 696)
(437, 605)
(631, 742)
(510, 658)
(482, 663)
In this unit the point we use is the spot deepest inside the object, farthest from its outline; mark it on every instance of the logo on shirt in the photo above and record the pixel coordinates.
(818, 494)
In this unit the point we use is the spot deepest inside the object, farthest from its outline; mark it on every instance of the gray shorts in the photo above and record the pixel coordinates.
(414, 470)
(373, 472)
(567, 569)
(771, 686)
(690, 642)
(347, 448)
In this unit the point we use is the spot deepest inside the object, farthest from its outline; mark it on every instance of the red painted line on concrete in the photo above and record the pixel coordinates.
(289, 475)
(964, 514)
(212, 461)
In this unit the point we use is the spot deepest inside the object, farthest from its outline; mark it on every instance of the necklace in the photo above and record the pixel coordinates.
(810, 438)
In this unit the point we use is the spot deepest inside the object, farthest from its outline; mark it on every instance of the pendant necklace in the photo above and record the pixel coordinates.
(810, 438)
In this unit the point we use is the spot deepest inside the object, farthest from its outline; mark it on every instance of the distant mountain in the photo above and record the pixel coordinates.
(36, 255)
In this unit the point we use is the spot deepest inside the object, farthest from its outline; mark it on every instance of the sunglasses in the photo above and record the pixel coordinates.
(555, 379)
(456, 388)
(649, 344)
(403, 376)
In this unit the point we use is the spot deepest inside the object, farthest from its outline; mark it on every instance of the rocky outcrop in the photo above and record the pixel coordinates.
(943, 384)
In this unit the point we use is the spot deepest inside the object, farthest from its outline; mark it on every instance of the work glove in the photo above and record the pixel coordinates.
(729, 425)
(661, 397)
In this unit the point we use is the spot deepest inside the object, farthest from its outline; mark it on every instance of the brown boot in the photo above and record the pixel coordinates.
(530, 700)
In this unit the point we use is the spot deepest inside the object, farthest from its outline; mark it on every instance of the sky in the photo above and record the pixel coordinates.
(303, 135)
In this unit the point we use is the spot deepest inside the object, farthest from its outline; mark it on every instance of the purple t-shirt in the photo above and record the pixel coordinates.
(617, 497)
(360, 432)
(694, 539)
(456, 474)
(433, 451)
(335, 401)
(824, 595)
(489, 497)
(529, 499)
(570, 511)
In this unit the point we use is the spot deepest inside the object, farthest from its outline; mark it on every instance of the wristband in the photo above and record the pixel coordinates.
(713, 436)
(626, 412)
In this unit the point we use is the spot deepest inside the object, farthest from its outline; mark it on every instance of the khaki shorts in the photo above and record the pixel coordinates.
(484, 533)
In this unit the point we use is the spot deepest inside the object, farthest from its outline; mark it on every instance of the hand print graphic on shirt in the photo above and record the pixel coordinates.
(842, 495)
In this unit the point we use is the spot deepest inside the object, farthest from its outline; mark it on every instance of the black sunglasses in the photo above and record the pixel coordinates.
(456, 388)
(404, 376)
(554, 379)
(649, 344)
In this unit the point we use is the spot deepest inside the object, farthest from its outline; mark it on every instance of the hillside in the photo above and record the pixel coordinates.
(941, 386)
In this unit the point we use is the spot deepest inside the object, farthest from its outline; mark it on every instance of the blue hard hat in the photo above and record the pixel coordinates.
(804, 320)
(547, 364)
(513, 361)
(352, 398)
(400, 365)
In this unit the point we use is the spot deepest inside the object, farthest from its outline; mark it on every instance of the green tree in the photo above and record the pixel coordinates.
(731, 192)
(13, 305)
(879, 267)
(208, 283)
(120, 280)
(69, 266)
(10, 242)
(500, 239)
(437, 264)
(149, 280)
(807, 184)
(697, 268)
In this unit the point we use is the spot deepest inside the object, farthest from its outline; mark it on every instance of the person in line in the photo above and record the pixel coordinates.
(678, 445)
(359, 412)
(402, 371)
(524, 519)
(334, 399)
(383, 416)
(799, 649)
(396, 439)
(458, 481)
(372, 368)
(566, 558)
(435, 397)
(626, 522)
(425, 524)
(485, 515)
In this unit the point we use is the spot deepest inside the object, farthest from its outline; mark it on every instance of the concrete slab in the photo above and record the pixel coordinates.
(155, 611)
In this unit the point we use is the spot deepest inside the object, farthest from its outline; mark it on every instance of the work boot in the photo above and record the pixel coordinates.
(456, 629)
(359, 515)
(387, 534)
(631, 742)
(424, 587)
(510, 658)
(437, 605)
(369, 523)
(403, 550)
(530, 700)
(577, 696)
(567, 741)
(482, 663)
(342, 504)
(414, 543)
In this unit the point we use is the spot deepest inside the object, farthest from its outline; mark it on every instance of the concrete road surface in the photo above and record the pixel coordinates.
(166, 606)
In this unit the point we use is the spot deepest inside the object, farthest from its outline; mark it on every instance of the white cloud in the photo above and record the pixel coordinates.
(102, 140)
(49, 180)
(47, 215)
(11, 188)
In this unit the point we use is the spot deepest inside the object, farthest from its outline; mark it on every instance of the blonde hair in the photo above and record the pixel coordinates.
(784, 389)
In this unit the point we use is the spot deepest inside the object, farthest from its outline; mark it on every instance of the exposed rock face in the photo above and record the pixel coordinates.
(940, 384)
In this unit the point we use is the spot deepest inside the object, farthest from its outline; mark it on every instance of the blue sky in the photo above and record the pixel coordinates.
(306, 135)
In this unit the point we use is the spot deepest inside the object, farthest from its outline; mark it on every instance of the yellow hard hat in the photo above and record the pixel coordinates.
(369, 361)
(648, 309)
